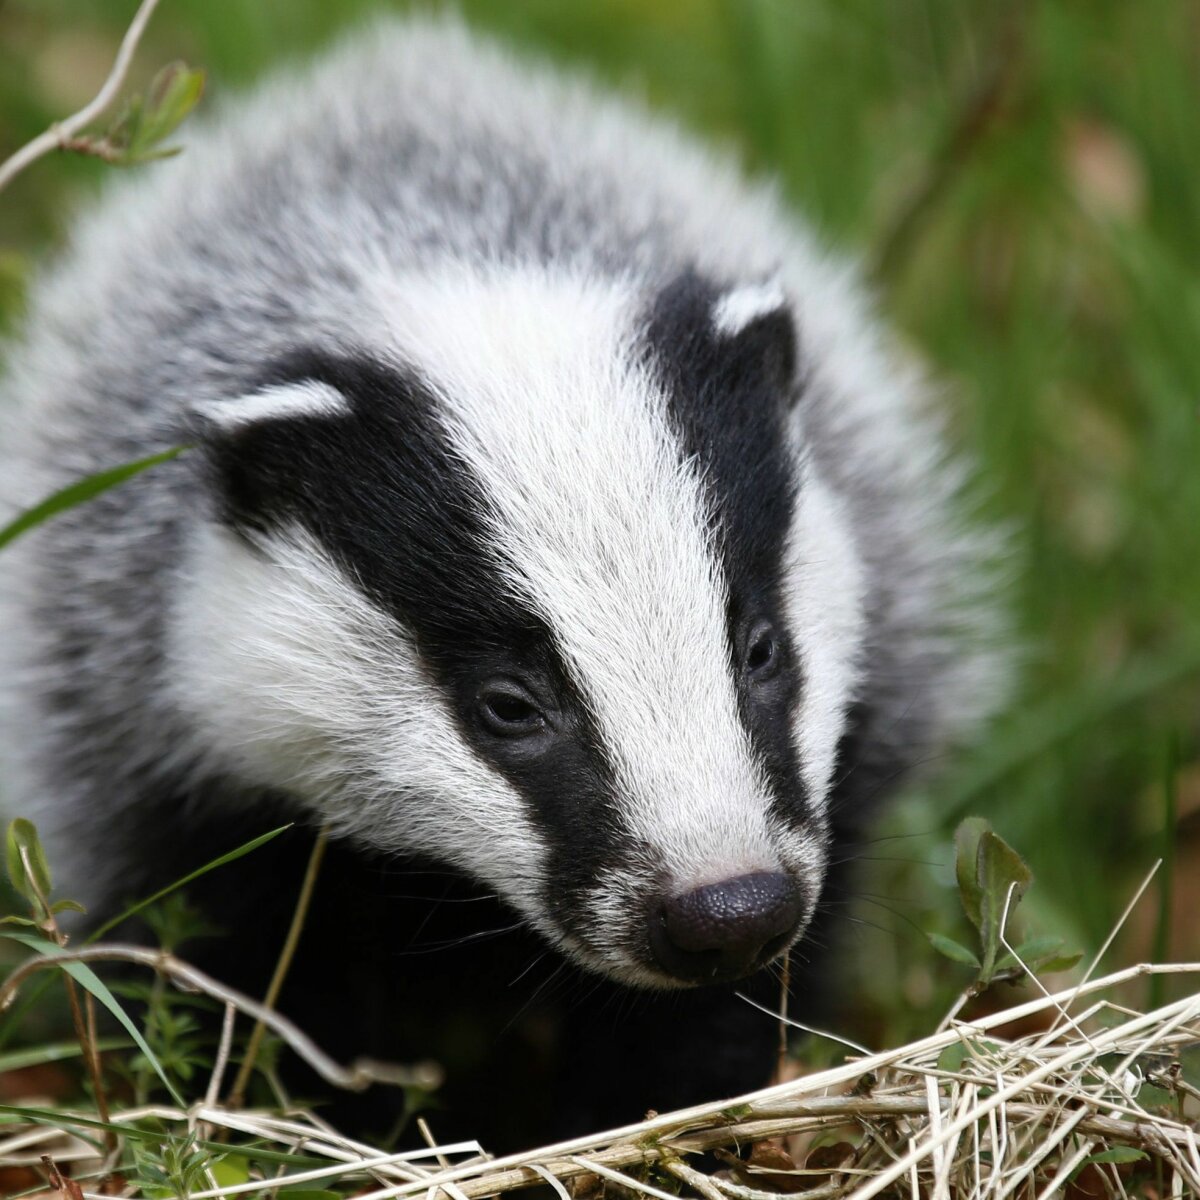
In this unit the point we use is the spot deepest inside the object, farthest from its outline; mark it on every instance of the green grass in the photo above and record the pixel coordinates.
(1022, 184)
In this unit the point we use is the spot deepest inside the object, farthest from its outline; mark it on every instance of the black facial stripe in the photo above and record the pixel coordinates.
(728, 398)
(383, 491)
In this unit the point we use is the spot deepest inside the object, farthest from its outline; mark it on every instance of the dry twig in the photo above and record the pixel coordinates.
(62, 134)
(359, 1075)
(998, 1119)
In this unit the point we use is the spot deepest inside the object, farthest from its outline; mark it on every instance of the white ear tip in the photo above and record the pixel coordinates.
(738, 308)
(286, 401)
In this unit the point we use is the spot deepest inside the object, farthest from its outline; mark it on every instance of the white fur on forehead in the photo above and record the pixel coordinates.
(307, 398)
(741, 306)
(286, 666)
(605, 523)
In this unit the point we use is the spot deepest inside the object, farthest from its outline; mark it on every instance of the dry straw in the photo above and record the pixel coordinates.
(964, 1113)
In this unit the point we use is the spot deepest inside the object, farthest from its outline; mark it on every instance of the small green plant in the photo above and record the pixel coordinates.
(173, 1168)
(144, 124)
(172, 1020)
(992, 880)
(170, 1047)
(29, 876)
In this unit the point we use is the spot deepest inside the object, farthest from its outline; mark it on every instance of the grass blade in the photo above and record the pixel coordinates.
(89, 980)
(17, 1060)
(231, 856)
(80, 492)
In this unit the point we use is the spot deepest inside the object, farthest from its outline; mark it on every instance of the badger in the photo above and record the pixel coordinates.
(557, 529)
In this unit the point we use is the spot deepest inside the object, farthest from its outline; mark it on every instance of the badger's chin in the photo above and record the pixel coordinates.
(646, 975)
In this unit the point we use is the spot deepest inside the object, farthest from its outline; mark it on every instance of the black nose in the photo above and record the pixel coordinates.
(726, 930)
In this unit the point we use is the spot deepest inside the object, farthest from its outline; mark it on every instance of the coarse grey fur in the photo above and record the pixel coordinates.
(283, 225)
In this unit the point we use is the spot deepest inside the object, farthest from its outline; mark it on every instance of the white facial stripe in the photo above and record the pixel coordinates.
(736, 309)
(825, 591)
(286, 666)
(607, 529)
(307, 399)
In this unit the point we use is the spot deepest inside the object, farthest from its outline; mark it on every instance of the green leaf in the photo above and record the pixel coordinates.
(124, 129)
(90, 981)
(18, 921)
(229, 857)
(1034, 950)
(952, 950)
(231, 1170)
(1060, 962)
(1152, 1097)
(1039, 955)
(27, 868)
(146, 121)
(952, 1057)
(966, 856)
(67, 906)
(80, 492)
(999, 871)
(1116, 1154)
(174, 93)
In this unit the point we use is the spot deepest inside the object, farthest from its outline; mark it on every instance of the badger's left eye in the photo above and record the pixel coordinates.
(507, 710)
(762, 652)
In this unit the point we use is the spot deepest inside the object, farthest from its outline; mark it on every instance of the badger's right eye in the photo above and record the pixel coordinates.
(762, 655)
(506, 710)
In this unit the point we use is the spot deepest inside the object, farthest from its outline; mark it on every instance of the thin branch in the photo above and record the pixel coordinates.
(786, 1023)
(303, 901)
(359, 1075)
(60, 135)
(1108, 941)
(785, 987)
(212, 1097)
(696, 1179)
(59, 1182)
(85, 1032)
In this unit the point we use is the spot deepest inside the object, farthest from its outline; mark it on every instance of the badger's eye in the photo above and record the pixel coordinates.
(506, 710)
(762, 652)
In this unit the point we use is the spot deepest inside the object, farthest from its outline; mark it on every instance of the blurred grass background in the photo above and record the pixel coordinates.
(1021, 181)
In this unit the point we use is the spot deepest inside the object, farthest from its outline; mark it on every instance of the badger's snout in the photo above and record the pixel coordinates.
(726, 930)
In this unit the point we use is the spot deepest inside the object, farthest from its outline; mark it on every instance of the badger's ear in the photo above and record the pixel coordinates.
(282, 402)
(756, 326)
(262, 447)
(742, 336)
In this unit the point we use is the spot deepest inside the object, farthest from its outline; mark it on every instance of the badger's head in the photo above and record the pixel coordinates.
(541, 585)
